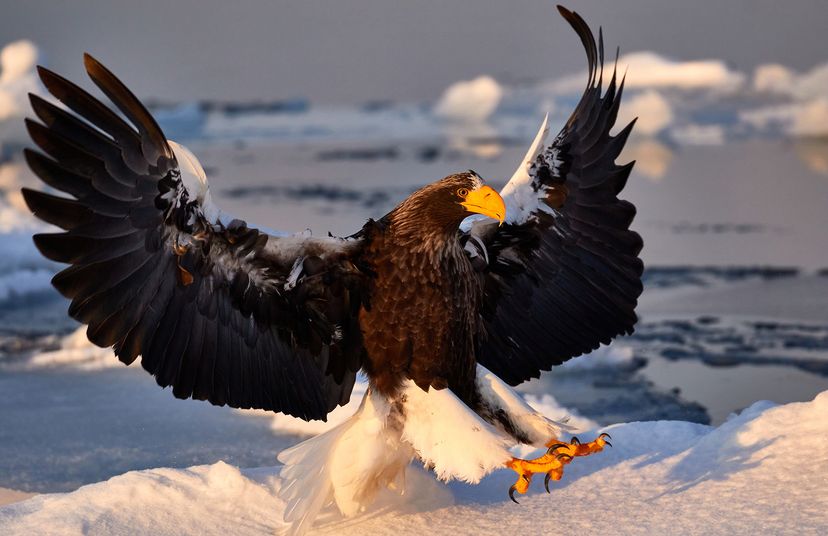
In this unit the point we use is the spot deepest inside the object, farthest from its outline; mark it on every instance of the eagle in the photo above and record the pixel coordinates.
(442, 312)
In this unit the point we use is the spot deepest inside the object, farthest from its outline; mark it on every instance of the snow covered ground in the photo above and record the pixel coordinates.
(764, 471)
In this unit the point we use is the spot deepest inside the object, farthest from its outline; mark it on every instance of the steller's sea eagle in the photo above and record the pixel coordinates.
(442, 317)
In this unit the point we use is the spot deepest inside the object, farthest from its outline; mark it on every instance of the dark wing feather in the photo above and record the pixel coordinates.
(564, 275)
(219, 312)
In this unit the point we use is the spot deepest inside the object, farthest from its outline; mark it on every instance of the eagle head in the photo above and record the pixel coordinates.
(442, 205)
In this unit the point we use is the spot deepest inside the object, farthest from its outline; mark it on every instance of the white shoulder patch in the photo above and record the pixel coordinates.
(194, 180)
(521, 200)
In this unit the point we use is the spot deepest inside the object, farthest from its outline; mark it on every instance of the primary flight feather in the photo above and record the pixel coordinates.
(439, 313)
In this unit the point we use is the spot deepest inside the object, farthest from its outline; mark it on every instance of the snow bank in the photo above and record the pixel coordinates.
(763, 472)
(807, 119)
(778, 79)
(649, 70)
(652, 158)
(14, 214)
(773, 78)
(22, 282)
(694, 134)
(807, 115)
(23, 271)
(615, 355)
(17, 78)
(653, 111)
(8, 496)
(75, 351)
(470, 101)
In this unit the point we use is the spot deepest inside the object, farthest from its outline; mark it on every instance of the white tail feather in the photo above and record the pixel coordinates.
(346, 465)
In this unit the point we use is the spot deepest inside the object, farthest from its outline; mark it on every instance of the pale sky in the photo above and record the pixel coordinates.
(360, 50)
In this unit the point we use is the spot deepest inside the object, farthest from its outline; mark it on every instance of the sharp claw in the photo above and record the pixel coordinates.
(546, 482)
(555, 447)
(575, 440)
(561, 456)
(607, 443)
(512, 495)
(604, 434)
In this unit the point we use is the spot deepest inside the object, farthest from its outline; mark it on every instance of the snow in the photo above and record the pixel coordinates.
(746, 476)
(694, 134)
(615, 355)
(773, 78)
(470, 101)
(14, 215)
(75, 351)
(23, 282)
(8, 496)
(806, 113)
(653, 111)
(652, 157)
(808, 119)
(649, 70)
(778, 79)
(17, 77)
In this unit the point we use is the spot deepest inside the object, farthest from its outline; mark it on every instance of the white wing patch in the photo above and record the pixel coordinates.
(520, 198)
(194, 180)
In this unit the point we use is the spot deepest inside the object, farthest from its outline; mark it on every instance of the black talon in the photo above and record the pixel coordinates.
(555, 447)
(512, 495)
(560, 456)
(546, 482)
(607, 443)
(604, 434)
(575, 441)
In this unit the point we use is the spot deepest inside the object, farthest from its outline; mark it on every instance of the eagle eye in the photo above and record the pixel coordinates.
(463, 192)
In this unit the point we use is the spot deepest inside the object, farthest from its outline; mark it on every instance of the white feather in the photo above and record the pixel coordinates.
(295, 272)
(498, 395)
(449, 437)
(194, 179)
(347, 465)
(521, 200)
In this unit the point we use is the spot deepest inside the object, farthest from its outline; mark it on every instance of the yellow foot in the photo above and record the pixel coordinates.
(552, 463)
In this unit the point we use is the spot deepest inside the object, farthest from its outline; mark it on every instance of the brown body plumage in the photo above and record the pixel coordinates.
(422, 318)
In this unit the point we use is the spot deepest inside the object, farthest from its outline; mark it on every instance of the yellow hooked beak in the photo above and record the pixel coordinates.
(486, 201)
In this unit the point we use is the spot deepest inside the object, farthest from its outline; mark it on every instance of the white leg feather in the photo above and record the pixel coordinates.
(449, 437)
(498, 395)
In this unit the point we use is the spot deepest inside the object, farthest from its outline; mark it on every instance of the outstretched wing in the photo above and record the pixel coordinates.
(218, 311)
(563, 274)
